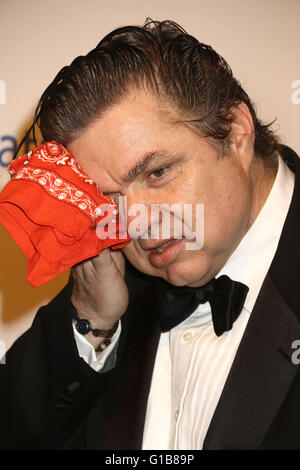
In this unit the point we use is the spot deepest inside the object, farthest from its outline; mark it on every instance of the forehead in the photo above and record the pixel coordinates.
(117, 140)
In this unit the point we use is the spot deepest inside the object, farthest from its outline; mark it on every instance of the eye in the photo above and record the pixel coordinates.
(158, 173)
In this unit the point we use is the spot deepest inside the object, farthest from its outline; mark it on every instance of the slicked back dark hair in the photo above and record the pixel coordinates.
(163, 58)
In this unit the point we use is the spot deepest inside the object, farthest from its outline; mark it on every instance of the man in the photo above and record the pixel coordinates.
(155, 116)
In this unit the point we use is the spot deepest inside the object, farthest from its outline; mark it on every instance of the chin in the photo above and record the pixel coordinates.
(192, 273)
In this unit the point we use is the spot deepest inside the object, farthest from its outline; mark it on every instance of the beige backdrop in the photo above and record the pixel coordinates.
(259, 39)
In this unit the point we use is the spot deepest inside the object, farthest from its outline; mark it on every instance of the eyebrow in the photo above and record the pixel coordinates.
(142, 165)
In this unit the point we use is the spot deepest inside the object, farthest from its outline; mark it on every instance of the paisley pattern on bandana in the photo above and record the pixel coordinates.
(53, 209)
(54, 153)
(60, 189)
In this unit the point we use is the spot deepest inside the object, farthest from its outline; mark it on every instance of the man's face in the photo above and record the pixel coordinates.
(187, 170)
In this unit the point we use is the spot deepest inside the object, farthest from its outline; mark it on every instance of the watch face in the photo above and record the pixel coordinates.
(83, 326)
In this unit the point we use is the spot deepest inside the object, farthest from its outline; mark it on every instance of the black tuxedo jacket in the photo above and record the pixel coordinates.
(51, 399)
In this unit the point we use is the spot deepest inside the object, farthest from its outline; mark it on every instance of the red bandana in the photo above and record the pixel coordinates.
(51, 209)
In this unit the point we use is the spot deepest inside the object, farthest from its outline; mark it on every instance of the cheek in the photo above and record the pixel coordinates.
(227, 214)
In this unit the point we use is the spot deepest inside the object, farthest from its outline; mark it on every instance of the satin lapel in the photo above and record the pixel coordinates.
(262, 371)
(260, 377)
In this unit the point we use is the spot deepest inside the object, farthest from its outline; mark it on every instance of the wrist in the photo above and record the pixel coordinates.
(93, 332)
(97, 320)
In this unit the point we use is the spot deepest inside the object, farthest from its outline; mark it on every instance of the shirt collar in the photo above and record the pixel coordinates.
(250, 261)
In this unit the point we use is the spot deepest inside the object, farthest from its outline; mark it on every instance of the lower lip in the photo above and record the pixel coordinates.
(159, 260)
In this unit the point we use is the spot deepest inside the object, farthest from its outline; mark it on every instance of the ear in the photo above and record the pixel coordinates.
(242, 135)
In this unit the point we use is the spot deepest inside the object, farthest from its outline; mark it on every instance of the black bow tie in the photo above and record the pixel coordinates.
(175, 304)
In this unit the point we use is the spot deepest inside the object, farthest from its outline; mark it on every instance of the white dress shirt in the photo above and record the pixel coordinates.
(192, 363)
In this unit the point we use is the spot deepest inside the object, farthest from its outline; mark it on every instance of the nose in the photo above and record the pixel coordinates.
(147, 216)
(136, 209)
(134, 206)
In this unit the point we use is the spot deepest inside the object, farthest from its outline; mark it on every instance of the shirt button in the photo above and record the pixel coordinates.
(176, 414)
(187, 336)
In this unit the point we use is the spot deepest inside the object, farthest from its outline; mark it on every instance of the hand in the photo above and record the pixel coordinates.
(100, 293)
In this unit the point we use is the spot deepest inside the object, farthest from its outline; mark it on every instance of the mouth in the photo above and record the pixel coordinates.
(161, 248)
(166, 252)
